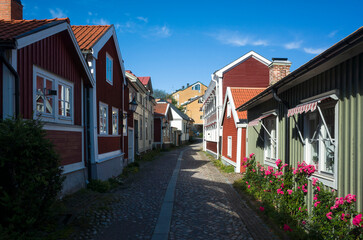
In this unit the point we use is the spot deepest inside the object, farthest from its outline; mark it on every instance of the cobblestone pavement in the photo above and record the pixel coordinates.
(205, 206)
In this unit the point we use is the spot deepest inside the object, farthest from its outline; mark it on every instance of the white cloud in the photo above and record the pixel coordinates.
(161, 32)
(314, 50)
(57, 13)
(333, 33)
(101, 21)
(90, 13)
(293, 45)
(143, 19)
(234, 38)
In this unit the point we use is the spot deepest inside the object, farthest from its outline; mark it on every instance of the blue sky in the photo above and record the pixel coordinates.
(180, 42)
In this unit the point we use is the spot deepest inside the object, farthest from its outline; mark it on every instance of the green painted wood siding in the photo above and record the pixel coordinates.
(347, 78)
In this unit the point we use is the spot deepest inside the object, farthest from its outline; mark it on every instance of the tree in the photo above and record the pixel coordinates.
(162, 94)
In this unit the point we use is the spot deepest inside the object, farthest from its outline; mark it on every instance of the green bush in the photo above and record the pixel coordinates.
(99, 185)
(225, 168)
(30, 176)
(130, 168)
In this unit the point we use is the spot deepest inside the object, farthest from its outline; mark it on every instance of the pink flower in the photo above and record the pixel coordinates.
(253, 170)
(303, 222)
(318, 188)
(314, 181)
(287, 228)
(251, 155)
(289, 191)
(246, 182)
(284, 166)
(245, 159)
(262, 209)
(299, 208)
(282, 185)
(342, 217)
(249, 186)
(270, 181)
(315, 197)
(278, 161)
(328, 215)
(316, 203)
(357, 220)
(267, 172)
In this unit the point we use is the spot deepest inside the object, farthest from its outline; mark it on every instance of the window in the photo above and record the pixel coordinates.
(124, 125)
(103, 118)
(53, 97)
(140, 129)
(320, 138)
(109, 69)
(64, 100)
(229, 146)
(229, 110)
(196, 87)
(114, 121)
(200, 100)
(201, 116)
(270, 140)
(146, 132)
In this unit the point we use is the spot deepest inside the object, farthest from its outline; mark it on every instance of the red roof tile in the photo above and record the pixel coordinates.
(242, 95)
(161, 108)
(144, 80)
(88, 35)
(9, 30)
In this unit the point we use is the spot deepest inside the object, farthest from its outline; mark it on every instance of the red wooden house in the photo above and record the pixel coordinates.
(43, 75)
(109, 126)
(162, 125)
(235, 125)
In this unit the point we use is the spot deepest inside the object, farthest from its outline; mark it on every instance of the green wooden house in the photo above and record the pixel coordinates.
(315, 114)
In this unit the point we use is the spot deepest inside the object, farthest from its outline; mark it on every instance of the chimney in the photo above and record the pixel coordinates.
(11, 10)
(279, 68)
(187, 85)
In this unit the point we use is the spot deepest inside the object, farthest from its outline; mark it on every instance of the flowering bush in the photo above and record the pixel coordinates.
(284, 188)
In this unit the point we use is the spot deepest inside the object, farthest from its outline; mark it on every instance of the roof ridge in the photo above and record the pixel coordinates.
(35, 20)
(247, 87)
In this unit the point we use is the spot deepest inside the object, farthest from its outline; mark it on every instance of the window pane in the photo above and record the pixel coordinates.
(39, 94)
(49, 99)
(327, 145)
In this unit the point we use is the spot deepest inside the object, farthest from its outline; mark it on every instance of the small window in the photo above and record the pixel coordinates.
(114, 121)
(229, 110)
(103, 118)
(229, 147)
(44, 102)
(64, 100)
(196, 87)
(146, 132)
(124, 125)
(109, 69)
(201, 116)
(140, 133)
(270, 140)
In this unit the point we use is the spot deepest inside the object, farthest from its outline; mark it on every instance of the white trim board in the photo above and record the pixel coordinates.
(73, 167)
(228, 161)
(108, 156)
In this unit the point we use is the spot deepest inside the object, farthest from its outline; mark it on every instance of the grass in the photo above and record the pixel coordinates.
(219, 164)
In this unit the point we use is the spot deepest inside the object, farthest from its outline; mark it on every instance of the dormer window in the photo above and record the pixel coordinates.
(196, 87)
(109, 69)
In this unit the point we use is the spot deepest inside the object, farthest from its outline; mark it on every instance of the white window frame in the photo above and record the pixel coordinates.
(101, 104)
(270, 160)
(328, 179)
(124, 125)
(115, 110)
(56, 80)
(108, 57)
(194, 87)
(229, 146)
(229, 110)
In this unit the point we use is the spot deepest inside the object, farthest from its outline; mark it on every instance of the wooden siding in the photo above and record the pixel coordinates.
(157, 130)
(57, 55)
(1, 90)
(109, 144)
(109, 94)
(347, 78)
(243, 148)
(212, 146)
(67, 144)
(250, 73)
(229, 130)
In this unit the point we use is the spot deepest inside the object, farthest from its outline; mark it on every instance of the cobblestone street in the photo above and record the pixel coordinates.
(205, 206)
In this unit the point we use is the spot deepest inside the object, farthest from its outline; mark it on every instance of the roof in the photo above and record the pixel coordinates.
(242, 95)
(161, 108)
(188, 87)
(180, 113)
(88, 35)
(10, 30)
(158, 115)
(334, 51)
(144, 80)
(191, 100)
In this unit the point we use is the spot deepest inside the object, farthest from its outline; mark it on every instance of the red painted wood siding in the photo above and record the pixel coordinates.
(250, 73)
(57, 55)
(157, 130)
(212, 146)
(229, 129)
(109, 94)
(67, 144)
(109, 144)
(1, 90)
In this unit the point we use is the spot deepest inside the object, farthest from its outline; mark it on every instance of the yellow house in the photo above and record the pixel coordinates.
(191, 99)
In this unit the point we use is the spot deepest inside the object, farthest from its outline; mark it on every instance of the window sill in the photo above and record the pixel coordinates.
(270, 162)
(325, 179)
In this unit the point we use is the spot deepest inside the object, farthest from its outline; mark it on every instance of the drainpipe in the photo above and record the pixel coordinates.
(17, 80)
(287, 127)
(217, 113)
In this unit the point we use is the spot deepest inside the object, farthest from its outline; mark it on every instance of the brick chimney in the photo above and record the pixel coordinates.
(11, 10)
(279, 68)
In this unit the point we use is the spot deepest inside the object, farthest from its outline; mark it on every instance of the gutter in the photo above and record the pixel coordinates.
(16, 76)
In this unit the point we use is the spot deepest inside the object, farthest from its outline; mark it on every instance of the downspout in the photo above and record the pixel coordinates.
(217, 113)
(287, 125)
(17, 80)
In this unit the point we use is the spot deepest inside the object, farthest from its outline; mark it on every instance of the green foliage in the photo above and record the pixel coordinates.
(225, 168)
(158, 93)
(99, 185)
(30, 177)
(282, 192)
(130, 169)
(148, 156)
